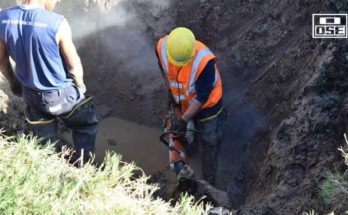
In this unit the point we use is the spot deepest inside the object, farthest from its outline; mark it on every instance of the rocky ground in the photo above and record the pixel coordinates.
(284, 91)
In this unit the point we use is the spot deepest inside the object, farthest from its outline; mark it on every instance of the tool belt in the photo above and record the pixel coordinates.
(30, 121)
(211, 117)
(207, 114)
(77, 107)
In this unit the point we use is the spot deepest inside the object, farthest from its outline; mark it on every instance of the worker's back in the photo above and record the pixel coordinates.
(30, 37)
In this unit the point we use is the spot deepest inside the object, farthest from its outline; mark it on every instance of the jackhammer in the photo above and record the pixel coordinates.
(177, 145)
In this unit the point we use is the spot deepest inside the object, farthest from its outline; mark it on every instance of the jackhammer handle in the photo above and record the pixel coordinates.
(163, 135)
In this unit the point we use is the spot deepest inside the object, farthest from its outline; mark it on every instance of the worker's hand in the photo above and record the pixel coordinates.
(16, 89)
(180, 127)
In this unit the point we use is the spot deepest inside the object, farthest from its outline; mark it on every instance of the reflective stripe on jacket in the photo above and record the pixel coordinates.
(182, 79)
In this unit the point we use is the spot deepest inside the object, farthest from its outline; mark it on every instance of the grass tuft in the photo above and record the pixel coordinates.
(36, 180)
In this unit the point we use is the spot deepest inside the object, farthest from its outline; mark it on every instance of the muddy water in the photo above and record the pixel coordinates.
(136, 143)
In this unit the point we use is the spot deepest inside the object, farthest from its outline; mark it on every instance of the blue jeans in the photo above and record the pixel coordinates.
(210, 136)
(69, 105)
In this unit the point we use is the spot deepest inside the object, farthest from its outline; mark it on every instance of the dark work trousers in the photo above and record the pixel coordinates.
(45, 106)
(210, 137)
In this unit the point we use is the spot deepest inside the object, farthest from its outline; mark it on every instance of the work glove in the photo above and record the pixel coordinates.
(16, 89)
(180, 127)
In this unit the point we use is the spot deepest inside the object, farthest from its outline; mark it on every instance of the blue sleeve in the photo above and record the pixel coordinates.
(204, 83)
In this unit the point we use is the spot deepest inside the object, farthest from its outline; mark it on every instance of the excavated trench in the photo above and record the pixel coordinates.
(283, 91)
(122, 51)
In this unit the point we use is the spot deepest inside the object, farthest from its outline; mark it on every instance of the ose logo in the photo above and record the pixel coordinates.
(329, 25)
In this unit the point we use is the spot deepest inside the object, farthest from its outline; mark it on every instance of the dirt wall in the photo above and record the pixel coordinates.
(283, 91)
(117, 50)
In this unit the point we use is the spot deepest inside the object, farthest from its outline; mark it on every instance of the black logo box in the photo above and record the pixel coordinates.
(330, 21)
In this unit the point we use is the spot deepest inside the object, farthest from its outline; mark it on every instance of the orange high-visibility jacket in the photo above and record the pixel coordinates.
(182, 79)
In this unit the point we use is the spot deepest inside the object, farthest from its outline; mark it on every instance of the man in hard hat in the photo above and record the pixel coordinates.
(194, 82)
(48, 73)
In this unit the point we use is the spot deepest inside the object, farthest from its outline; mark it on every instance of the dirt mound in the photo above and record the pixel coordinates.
(298, 154)
(117, 50)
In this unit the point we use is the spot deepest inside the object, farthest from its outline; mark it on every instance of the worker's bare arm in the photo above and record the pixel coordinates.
(72, 59)
(193, 109)
(7, 70)
(5, 66)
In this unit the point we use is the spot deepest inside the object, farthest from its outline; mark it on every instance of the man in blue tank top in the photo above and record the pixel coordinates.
(48, 72)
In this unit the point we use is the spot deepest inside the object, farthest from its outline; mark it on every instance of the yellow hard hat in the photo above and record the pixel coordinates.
(181, 46)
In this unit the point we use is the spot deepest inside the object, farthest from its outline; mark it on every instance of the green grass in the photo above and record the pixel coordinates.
(36, 180)
(336, 184)
(312, 212)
